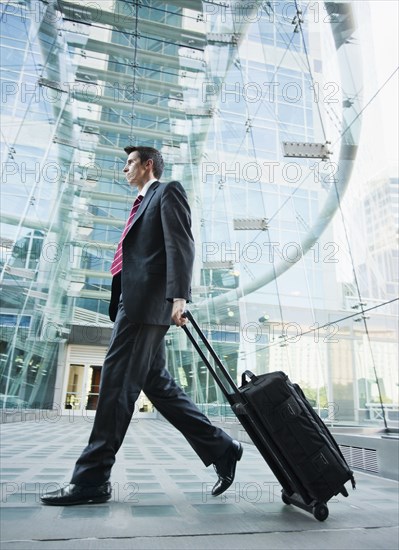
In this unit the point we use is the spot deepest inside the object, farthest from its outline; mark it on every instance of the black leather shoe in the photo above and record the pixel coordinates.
(225, 468)
(78, 494)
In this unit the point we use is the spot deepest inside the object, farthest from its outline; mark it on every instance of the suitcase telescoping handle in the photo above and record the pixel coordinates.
(226, 375)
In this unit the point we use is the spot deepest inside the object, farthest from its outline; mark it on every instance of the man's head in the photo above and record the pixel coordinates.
(143, 164)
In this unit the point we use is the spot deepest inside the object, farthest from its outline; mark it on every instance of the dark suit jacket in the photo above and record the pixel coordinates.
(158, 257)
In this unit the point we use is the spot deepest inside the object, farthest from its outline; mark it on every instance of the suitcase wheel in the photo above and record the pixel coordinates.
(285, 498)
(320, 511)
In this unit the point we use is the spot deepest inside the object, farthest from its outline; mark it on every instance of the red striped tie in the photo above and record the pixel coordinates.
(116, 266)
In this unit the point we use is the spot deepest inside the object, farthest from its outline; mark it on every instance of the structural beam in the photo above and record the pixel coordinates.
(117, 80)
(143, 56)
(92, 14)
(123, 105)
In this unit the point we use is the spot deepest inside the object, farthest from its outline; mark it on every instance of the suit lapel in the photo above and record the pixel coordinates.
(145, 202)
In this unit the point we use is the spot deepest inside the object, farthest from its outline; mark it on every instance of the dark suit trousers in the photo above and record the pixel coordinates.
(135, 361)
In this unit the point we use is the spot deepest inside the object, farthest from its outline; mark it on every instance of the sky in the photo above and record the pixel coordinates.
(382, 50)
(379, 145)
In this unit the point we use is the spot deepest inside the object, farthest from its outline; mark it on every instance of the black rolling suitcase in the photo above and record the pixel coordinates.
(290, 436)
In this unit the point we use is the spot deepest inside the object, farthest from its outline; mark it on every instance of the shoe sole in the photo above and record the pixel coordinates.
(95, 500)
(240, 452)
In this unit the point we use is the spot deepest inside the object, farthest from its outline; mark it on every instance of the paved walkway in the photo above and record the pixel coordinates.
(161, 498)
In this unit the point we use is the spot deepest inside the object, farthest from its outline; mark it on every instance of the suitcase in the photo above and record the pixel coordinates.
(291, 437)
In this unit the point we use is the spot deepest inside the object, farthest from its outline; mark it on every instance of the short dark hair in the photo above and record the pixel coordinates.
(146, 153)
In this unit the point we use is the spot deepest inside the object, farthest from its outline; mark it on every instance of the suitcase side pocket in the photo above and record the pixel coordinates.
(326, 433)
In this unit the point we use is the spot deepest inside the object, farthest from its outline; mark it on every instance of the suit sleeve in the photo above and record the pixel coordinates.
(179, 242)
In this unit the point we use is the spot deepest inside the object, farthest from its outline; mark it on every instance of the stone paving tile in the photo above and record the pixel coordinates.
(161, 497)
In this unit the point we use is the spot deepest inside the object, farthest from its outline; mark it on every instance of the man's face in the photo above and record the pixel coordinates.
(136, 173)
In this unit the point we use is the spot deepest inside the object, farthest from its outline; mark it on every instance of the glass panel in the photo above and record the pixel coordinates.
(93, 387)
(218, 90)
(75, 387)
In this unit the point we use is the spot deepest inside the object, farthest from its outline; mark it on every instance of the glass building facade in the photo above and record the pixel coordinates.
(257, 110)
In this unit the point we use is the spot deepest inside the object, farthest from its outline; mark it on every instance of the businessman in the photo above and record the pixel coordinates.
(152, 271)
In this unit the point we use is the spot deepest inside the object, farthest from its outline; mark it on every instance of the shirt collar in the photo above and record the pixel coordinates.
(146, 187)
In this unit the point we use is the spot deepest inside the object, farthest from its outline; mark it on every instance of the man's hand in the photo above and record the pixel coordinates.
(179, 305)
